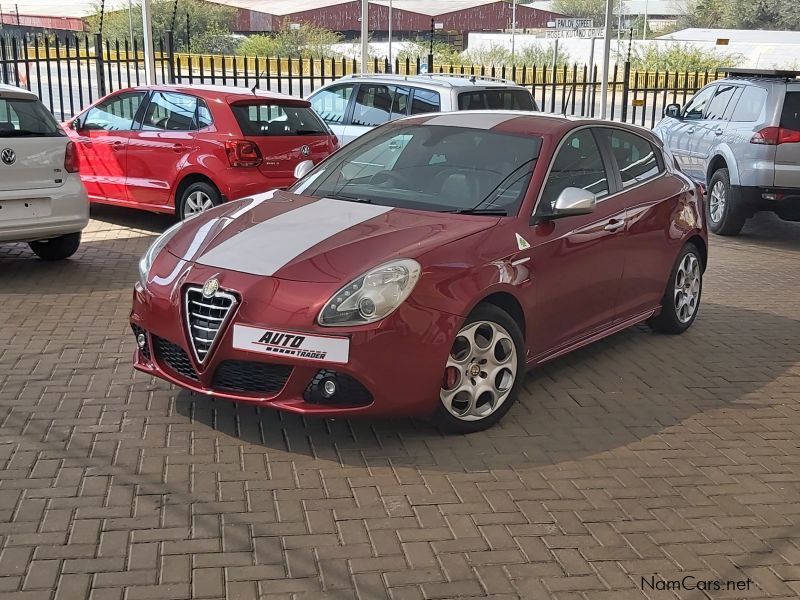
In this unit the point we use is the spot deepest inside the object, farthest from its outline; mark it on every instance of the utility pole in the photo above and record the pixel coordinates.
(147, 30)
(430, 52)
(130, 19)
(391, 64)
(606, 59)
(188, 37)
(644, 27)
(364, 36)
(513, 29)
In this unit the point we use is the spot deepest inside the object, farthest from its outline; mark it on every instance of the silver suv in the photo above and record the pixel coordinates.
(353, 105)
(740, 136)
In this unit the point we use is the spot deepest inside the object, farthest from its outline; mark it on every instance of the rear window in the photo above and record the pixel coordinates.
(496, 100)
(790, 118)
(274, 119)
(23, 117)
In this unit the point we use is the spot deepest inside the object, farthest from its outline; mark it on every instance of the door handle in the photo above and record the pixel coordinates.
(614, 224)
(179, 148)
(117, 145)
(718, 131)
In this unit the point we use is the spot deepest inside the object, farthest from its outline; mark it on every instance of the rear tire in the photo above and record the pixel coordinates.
(57, 248)
(725, 214)
(681, 299)
(483, 374)
(197, 198)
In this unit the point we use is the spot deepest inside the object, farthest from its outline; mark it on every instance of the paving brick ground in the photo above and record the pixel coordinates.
(641, 456)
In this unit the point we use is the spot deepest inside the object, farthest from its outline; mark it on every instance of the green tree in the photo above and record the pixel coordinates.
(306, 40)
(679, 57)
(585, 9)
(209, 23)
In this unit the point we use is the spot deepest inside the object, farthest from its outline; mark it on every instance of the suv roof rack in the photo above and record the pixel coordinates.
(762, 73)
(468, 76)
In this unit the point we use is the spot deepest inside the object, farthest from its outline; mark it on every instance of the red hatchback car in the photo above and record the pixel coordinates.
(422, 268)
(189, 148)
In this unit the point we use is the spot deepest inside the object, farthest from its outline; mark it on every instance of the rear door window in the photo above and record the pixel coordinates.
(751, 105)
(21, 117)
(168, 111)
(331, 103)
(115, 113)
(718, 104)
(425, 101)
(790, 117)
(275, 119)
(377, 104)
(493, 99)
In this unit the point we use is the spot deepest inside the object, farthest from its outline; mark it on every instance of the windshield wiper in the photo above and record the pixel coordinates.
(351, 199)
(308, 132)
(499, 212)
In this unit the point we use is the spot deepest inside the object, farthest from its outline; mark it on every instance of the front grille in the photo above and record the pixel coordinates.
(137, 331)
(205, 318)
(175, 358)
(254, 377)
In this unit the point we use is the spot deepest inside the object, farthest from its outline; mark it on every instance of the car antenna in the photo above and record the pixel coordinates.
(255, 85)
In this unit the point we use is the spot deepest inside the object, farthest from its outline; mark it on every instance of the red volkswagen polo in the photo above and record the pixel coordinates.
(185, 149)
(424, 267)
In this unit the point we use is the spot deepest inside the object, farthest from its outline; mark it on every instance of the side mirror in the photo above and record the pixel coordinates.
(76, 124)
(673, 111)
(573, 201)
(303, 168)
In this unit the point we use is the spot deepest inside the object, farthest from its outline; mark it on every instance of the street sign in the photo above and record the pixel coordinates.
(594, 32)
(438, 25)
(573, 23)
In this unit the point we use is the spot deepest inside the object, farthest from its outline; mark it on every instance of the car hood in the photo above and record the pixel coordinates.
(301, 238)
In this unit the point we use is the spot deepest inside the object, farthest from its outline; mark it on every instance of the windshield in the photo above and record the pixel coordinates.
(429, 167)
(274, 119)
(23, 117)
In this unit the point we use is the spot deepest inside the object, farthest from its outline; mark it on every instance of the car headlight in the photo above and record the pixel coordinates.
(373, 296)
(147, 260)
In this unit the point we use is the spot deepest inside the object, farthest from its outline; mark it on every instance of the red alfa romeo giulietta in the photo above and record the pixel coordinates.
(424, 267)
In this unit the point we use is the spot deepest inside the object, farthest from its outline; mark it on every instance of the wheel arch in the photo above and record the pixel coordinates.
(723, 159)
(507, 302)
(188, 180)
(702, 247)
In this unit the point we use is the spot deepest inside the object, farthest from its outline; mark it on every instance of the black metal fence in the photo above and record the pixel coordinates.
(70, 74)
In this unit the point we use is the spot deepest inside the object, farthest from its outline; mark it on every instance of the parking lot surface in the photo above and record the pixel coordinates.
(642, 456)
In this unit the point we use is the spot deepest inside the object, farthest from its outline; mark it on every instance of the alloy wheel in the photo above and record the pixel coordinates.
(687, 288)
(716, 206)
(197, 202)
(480, 371)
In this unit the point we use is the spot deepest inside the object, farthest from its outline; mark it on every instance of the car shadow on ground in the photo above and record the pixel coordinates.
(614, 393)
(769, 231)
(132, 218)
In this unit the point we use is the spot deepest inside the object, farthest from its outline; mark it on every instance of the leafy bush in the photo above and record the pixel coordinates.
(495, 55)
(679, 57)
(306, 40)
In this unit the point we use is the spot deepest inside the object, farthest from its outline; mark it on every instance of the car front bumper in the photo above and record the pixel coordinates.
(397, 364)
(38, 214)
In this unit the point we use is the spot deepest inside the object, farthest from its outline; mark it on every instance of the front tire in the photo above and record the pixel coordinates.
(483, 374)
(197, 198)
(57, 248)
(682, 298)
(725, 214)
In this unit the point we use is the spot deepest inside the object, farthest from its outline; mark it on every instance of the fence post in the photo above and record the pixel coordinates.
(98, 65)
(170, 56)
(626, 84)
(4, 78)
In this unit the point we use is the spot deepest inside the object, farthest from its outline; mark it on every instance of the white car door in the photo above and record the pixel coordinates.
(376, 104)
(332, 104)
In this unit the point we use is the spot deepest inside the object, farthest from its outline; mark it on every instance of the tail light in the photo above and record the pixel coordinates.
(773, 136)
(242, 153)
(71, 160)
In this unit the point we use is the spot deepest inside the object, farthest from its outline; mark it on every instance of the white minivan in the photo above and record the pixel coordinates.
(42, 199)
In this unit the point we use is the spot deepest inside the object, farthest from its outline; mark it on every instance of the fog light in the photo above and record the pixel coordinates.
(141, 341)
(328, 388)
